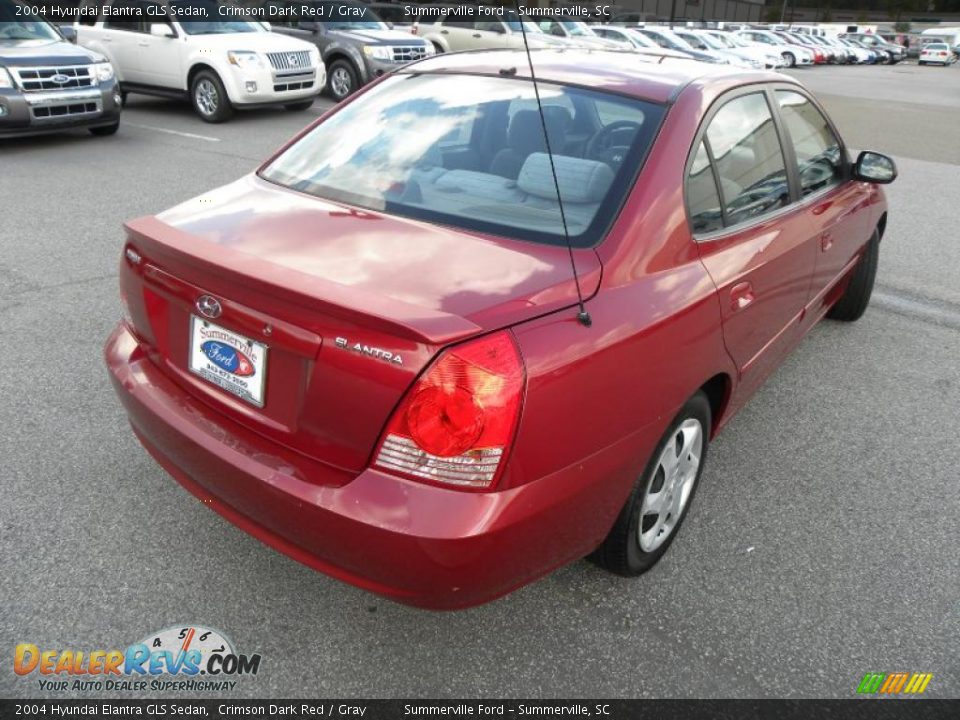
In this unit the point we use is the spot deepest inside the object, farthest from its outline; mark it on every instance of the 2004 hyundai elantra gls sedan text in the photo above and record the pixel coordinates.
(368, 352)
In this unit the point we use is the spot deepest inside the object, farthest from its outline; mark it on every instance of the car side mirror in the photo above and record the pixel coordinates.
(162, 30)
(873, 167)
(69, 33)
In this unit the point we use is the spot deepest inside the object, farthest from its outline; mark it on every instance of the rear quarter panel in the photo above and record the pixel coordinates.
(611, 390)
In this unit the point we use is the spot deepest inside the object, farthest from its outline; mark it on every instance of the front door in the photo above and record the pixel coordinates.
(753, 241)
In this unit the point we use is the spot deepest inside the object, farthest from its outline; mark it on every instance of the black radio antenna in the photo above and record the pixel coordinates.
(583, 316)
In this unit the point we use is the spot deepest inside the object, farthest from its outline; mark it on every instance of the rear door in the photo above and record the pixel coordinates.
(121, 38)
(753, 239)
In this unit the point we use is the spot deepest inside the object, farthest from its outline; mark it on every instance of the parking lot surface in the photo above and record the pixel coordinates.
(822, 544)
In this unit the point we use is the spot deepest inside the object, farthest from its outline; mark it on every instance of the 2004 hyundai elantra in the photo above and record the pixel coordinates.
(368, 353)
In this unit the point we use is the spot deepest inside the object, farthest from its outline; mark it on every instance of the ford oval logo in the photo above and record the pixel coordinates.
(60, 79)
(209, 306)
(228, 358)
(293, 60)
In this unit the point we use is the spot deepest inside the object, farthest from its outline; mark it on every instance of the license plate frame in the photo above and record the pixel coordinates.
(214, 350)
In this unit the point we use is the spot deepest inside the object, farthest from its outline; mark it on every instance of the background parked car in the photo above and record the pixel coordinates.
(452, 34)
(629, 37)
(577, 33)
(356, 50)
(748, 50)
(793, 55)
(48, 84)
(668, 39)
(890, 53)
(705, 43)
(220, 66)
(936, 54)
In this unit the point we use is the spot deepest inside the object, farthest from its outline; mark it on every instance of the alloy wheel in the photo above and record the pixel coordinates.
(206, 96)
(340, 82)
(671, 485)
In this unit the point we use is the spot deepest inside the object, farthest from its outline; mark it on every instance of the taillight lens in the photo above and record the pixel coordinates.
(455, 425)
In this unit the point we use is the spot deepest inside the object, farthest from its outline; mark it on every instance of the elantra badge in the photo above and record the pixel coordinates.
(373, 352)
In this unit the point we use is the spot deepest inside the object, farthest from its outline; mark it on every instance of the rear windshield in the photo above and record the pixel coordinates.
(469, 151)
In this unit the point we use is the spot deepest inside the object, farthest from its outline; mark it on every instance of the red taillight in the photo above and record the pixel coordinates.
(456, 423)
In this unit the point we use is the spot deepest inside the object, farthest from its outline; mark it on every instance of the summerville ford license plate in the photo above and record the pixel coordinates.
(229, 360)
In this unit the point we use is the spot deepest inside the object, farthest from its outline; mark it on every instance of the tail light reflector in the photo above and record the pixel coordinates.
(455, 425)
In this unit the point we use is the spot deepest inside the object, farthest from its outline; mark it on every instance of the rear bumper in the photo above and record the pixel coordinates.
(417, 544)
(36, 113)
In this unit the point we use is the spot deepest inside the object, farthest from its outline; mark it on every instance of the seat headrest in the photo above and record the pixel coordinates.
(581, 181)
(526, 128)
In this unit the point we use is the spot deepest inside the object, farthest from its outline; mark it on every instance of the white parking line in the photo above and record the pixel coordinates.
(173, 132)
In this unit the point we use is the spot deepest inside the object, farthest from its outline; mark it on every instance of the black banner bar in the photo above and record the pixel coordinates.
(854, 709)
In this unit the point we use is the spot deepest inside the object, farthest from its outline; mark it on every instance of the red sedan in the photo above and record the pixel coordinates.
(369, 352)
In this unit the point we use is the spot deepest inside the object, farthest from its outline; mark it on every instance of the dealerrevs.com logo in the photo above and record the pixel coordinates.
(190, 658)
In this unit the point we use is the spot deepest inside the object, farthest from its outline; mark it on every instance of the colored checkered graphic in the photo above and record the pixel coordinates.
(894, 683)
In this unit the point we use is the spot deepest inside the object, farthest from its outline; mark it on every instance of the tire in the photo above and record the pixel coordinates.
(209, 98)
(342, 80)
(123, 98)
(853, 303)
(105, 129)
(298, 106)
(627, 550)
(789, 59)
(438, 48)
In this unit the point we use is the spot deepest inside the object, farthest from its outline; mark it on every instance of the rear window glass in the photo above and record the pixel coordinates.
(469, 151)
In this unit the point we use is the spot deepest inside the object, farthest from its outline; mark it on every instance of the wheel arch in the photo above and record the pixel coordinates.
(197, 68)
(717, 390)
(882, 224)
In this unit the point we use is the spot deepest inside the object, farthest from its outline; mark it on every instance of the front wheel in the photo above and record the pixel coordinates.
(853, 303)
(789, 59)
(106, 129)
(210, 98)
(661, 497)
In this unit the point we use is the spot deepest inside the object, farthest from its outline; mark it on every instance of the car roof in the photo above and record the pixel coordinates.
(645, 76)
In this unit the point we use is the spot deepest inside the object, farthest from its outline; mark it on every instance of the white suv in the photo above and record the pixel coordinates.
(219, 65)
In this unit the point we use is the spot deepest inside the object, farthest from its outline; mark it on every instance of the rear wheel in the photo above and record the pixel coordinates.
(853, 303)
(661, 497)
(210, 98)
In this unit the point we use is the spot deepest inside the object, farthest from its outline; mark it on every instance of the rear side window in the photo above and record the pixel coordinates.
(743, 141)
(819, 155)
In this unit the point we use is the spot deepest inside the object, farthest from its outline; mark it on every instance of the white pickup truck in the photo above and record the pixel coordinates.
(220, 66)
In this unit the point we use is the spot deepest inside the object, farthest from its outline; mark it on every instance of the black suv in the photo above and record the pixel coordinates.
(48, 84)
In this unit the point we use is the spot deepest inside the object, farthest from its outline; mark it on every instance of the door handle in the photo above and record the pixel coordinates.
(444, 32)
(826, 241)
(741, 295)
(143, 44)
(477, 35)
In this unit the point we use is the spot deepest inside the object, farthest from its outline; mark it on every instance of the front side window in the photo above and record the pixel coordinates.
(460, 150)
(746, 150)
(703, 200)
(820, 159)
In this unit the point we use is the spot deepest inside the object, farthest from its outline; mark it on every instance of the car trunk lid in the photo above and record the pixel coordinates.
(350, 304)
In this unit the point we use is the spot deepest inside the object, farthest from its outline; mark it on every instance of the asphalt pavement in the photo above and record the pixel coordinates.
(822, 544)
